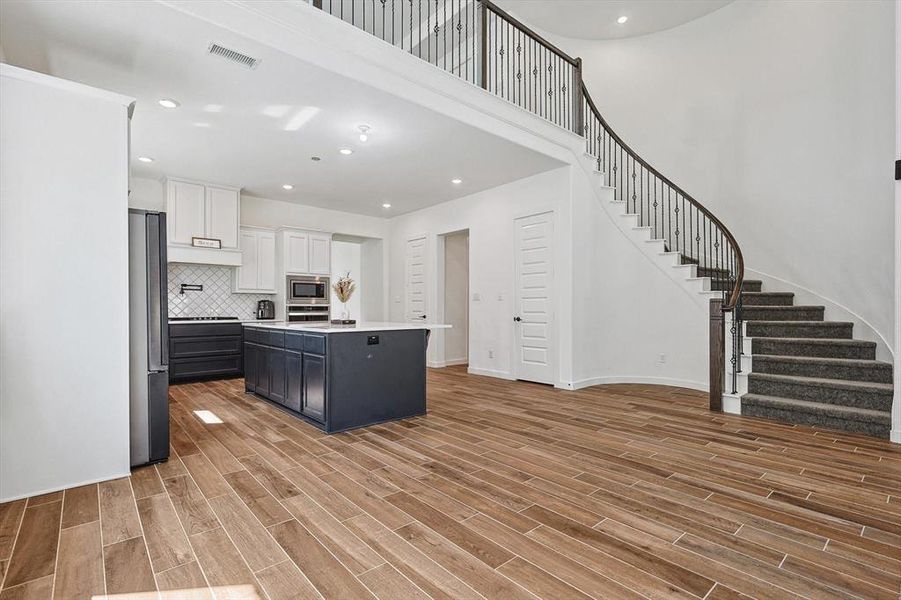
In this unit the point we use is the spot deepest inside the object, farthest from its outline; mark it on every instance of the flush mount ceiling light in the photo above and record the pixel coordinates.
(364, 132)
(145, 159)
(622, 19)
(345, 151)
(168, 103)
(287, 186)
(456, 181)
(386, 205)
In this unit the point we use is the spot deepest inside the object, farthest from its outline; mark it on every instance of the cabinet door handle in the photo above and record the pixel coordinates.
(517, 319)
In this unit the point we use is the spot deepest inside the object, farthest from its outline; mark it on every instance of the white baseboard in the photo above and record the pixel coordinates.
(437, 364)
(490, 373)
(693, 385)
(64, 487)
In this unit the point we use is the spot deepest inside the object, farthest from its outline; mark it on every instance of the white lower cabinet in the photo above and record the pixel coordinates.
(256, 275)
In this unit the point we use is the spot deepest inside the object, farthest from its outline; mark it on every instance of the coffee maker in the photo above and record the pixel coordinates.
(265, 309)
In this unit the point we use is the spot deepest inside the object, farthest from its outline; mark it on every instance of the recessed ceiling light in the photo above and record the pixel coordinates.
(201, 124)
(386, 205)
(145, 159)
(456, 181)
(622, 19)
(345, 151)
(287, 186)
(168, 103)
(364, 132)
(315, 158)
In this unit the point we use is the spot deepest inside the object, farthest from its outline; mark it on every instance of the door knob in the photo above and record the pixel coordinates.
(517, 319)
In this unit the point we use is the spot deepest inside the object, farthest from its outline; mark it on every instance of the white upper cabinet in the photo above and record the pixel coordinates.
(222, 215)
(200, 210)
(305, 252)
(297, 252)
(185, 211)
(257, 271)
(320, 254)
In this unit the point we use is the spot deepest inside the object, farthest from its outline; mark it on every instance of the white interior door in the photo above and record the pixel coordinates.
(534, 281)
(416, 305)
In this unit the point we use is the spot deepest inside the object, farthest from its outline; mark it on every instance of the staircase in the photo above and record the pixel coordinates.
(804, 370)
(793, 366)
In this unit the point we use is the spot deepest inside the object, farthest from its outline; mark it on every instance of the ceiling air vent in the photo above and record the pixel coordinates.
(233, 55)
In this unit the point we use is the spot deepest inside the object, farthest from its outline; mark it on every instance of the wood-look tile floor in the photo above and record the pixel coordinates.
(505, 490)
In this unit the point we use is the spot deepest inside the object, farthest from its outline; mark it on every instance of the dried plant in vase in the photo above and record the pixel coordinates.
(344, 288)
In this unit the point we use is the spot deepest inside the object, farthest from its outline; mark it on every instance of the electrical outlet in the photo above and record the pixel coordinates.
(500, 297)
(661, 359)
(476, 297)
(490, 352)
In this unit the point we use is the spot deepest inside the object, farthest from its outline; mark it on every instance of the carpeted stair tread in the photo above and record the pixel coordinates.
(858, 394)
(783, 313)
(877, 423)
(814, 347)
(799, 329)
(747, 285)
(872, 371)
(767, 298)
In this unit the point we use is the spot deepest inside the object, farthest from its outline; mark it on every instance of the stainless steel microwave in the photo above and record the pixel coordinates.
(307, 289)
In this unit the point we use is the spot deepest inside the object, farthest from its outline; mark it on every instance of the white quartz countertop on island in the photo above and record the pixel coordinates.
(360, 326)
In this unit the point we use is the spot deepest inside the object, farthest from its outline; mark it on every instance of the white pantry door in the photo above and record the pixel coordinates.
(416, 306)
(534, 281)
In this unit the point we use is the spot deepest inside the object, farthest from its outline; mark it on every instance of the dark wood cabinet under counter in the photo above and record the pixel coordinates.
(339, 378)
(206, 350)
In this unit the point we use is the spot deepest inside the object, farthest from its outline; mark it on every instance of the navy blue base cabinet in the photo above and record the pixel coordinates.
(339, 381)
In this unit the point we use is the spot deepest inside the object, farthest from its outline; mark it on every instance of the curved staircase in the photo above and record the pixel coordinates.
(788, 363)
(804, 370)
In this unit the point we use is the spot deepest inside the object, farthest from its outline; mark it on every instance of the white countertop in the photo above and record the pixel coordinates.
(171, 322)
(360, 326)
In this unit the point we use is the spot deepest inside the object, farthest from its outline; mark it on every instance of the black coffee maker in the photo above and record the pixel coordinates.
(265, 309)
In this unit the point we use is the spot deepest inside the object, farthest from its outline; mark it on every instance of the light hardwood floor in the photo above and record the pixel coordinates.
(505, 490)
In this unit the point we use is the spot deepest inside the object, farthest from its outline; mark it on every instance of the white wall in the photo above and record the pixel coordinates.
(489, 218)
(147, 194)
(263, 212)
(456, 297)
(776, 115)
(64, 293)
(346, 258)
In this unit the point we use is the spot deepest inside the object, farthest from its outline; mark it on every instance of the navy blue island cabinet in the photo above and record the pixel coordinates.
(338, 378)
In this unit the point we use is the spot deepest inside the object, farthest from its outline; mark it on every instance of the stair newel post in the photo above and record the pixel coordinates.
(717, 353)
(484, 42)
(577, 97)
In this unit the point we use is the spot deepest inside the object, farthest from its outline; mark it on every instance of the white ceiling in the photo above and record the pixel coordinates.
(230, 127)
(596, 19)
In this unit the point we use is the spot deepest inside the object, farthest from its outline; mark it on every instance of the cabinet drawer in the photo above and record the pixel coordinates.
(314, 343)
(191, 347)
(204, 329)
(254, 335)
(219, 366)
(293, 341)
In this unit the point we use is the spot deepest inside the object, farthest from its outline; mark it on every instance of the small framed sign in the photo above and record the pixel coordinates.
(198, 242)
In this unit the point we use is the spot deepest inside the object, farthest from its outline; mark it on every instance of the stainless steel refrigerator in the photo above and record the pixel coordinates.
(148, 337)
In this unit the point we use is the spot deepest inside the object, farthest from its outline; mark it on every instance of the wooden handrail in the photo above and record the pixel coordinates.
(739, 262)
(528, 31)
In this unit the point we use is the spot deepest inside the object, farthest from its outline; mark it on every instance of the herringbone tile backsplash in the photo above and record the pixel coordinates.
(216, 299)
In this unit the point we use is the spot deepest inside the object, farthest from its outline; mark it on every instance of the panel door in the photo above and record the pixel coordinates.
(266, 262)
(248, 273)
(185, 206)
(415, 258)
(314, 383)
(534, 284)
(277, 375)
(297, 255)
(320, 254)
(293, 380)
(222, 215)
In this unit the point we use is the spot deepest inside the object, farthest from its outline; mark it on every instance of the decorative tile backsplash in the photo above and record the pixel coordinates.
(216, 299)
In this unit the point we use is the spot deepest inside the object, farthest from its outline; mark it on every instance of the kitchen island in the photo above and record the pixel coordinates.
(339, 377)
